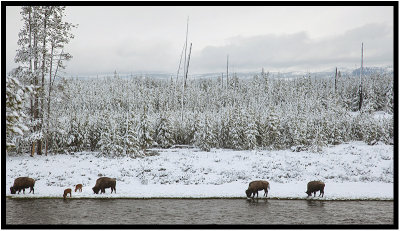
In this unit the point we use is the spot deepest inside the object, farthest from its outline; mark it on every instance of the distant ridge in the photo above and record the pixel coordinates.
(244, 75)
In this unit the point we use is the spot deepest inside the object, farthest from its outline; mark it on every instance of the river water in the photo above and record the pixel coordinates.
(196, 211)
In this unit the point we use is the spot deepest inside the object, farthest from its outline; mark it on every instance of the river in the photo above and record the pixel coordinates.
(196, 211)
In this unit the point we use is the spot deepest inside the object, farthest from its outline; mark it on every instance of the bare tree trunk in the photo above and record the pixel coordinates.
(184, 68)
(222, 80)
(48, 101)
(177, 74)
(180, 61)
(36, 83)
(227, 76)
(361, 71)
(33, 149)
(336, 80)
(41, 114)
(187, 68)
(31, 73)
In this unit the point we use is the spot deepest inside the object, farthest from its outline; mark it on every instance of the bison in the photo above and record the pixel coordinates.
(78, 187)
(104, 182)
(256, 186)
(21, 183)
(66, 191)
(314, 186)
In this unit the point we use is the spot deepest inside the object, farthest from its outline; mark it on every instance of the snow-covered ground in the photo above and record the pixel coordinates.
(350, 171)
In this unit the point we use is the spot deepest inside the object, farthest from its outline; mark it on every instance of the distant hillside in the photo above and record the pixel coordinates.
(246, 75)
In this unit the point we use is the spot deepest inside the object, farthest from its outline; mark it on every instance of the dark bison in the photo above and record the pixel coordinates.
(314, 186)
(256, 186)
(66, 191)
(78, 187)
(21, 183)
(104, 182)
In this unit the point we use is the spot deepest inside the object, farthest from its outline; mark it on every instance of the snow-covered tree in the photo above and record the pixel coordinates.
(130, 140)
(145, 131)
(41, 39)
(204, 136)
(15, 116)
(163, 134)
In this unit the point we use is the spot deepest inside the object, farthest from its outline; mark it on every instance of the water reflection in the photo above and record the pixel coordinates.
(197, 211)
(315, 203)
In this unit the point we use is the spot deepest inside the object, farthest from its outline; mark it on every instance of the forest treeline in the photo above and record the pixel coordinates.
(124, 116)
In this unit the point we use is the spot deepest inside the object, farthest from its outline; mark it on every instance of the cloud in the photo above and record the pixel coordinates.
(298, 50)
(124, 56)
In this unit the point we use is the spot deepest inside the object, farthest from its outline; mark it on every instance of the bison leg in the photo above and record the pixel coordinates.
(321, 192)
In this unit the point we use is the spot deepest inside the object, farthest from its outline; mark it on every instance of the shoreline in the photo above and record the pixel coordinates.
(192, 198)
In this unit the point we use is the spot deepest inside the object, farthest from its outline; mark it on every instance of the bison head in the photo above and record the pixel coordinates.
(13, 191)
(96, 190)
(308, 193)
(248, 193)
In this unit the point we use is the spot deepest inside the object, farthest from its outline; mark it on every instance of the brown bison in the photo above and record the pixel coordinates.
(78, 187)
(104, 182)
(256, 186)
(66, 191)
(314, 186)
(21, 183)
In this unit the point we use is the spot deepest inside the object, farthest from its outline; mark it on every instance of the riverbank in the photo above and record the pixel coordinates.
(354, 171)
(333, 191)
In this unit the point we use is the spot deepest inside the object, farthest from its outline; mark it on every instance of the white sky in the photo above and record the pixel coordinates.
(278, 38)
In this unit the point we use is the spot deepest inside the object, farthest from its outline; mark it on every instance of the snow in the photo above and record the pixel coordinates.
(350, 171)
(382, 115)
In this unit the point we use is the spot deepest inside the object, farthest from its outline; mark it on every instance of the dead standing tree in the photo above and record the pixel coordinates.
(360, 88)
(185, 68)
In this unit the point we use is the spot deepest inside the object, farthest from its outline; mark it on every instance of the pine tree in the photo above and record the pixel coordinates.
(204, 137)
(15, 116)
(43, 31)
(130, 139)
(163, 132)
(251, 132)
(390, 100)
(145, 131)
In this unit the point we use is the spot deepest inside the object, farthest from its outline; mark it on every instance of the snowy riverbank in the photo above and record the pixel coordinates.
(350, 171)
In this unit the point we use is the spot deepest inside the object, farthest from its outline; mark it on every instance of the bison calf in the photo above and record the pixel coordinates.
(314, 186)
(21, 183)
(256, 186)
(66, 191)
(105, 182)
(78, 187)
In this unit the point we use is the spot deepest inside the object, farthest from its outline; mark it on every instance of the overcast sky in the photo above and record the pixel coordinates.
(278, 38)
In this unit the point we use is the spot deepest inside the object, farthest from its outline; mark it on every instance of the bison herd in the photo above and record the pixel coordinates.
(255, 186)
(21, 183)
